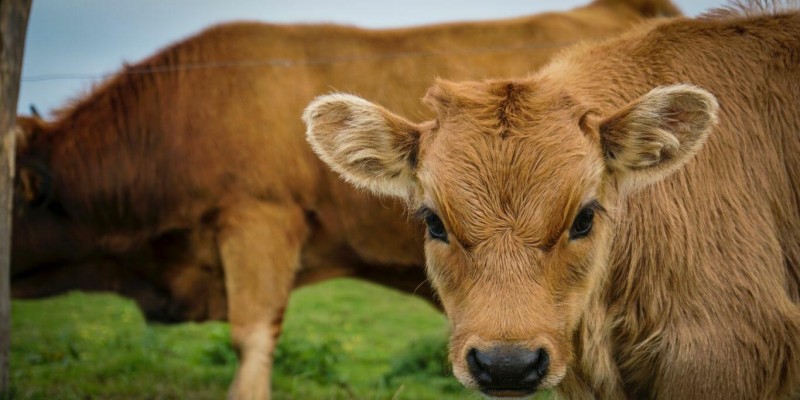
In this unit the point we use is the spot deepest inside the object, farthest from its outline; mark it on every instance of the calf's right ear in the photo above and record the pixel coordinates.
(365, 143)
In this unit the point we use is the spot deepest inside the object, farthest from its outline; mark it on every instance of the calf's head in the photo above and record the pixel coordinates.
(518, 183)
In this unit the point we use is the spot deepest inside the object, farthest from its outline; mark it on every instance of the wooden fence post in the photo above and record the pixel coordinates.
(13, 25)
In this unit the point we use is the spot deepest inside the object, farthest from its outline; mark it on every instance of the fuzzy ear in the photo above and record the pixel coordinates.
(368, 145)
(33, 184)
(656, 134)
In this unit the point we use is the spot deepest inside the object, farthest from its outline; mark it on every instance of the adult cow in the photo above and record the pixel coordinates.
(186, 183)
(604, 225)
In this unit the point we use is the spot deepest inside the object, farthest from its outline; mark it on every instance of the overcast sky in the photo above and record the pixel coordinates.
(71, 42)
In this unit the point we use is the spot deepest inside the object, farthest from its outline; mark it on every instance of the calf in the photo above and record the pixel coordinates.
(624, 223)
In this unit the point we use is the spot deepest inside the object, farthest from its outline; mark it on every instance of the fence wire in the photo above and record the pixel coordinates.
(285, 63)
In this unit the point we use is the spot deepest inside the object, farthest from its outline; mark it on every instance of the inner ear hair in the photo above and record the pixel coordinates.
(32, 185)
(366, 144)
(654, 135)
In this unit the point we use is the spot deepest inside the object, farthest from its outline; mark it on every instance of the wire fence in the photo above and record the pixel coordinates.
(285, 63)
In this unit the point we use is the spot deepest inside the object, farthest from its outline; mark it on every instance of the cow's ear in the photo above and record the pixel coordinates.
(368, 145)
(653, 136)
(27, 128)
(33, 184)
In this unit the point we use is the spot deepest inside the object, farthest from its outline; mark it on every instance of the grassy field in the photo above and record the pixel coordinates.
(343, 339)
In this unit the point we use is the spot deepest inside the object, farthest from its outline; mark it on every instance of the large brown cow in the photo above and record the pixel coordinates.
(186, 182)
(604, 225)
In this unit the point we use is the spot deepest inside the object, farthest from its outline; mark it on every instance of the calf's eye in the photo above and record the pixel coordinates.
(582, 225)
(435, 227)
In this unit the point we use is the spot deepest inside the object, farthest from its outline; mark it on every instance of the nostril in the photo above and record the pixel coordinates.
(478, 368)
(472, 360)
(543, 362)
(537, 365)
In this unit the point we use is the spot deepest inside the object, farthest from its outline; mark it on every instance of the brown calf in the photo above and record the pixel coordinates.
(185, 181)
(604, 226)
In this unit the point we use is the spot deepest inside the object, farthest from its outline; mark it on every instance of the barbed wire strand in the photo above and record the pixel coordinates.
(284, 63)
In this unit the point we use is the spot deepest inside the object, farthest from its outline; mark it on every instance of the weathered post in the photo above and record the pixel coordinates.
(13, 24)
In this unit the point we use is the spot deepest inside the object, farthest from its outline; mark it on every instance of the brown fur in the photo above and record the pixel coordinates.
(185, 181)
(688, 285)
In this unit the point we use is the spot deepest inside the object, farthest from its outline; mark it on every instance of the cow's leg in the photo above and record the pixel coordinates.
(260, 246)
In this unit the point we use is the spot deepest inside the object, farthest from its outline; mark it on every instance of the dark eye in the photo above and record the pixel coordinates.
(435, 227)
(582, 225)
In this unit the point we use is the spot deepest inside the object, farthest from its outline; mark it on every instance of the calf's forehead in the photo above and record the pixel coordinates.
(517, 162)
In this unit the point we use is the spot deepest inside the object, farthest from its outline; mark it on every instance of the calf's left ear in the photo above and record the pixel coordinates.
(655, 135)
(365, 143)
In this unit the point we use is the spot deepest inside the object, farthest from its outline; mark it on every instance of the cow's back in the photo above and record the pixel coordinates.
(244, 103)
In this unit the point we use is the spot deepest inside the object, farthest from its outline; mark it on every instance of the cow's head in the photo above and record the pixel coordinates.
(45, 231)
(519, 185)
(61, 242)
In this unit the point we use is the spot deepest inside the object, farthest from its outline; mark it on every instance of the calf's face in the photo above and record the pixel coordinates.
(518, 183)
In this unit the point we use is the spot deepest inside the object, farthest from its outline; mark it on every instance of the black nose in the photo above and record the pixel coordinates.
(508, 369)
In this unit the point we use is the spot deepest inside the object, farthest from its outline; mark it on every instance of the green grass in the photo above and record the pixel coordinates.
(342, 339)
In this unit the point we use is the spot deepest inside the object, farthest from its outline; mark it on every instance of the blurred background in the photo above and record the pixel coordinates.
(342, 339)
(72, 44)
